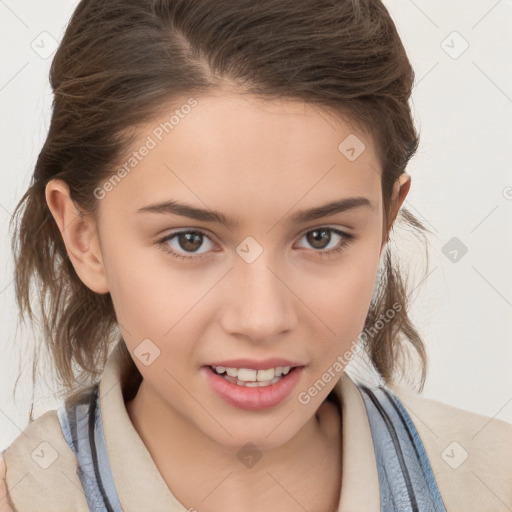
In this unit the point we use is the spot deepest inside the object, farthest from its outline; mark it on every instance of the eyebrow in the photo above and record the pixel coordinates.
(300, 216)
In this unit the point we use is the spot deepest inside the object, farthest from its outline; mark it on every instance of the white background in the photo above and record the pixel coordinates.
(461, 187)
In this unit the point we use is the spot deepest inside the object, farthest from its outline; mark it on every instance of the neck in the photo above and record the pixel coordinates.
(199, 471)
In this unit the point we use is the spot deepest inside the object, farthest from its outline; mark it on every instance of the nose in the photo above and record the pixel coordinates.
(261, 303)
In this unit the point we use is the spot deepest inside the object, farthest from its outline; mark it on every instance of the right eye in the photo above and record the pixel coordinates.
(185, 241)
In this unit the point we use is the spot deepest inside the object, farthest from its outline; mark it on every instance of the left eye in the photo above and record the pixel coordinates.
(191, 241)
(317, 237)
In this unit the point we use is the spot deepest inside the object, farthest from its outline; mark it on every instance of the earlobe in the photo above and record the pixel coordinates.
(79, 234)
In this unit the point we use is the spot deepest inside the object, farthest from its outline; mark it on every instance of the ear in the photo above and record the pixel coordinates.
(400, 191)
(79, 235)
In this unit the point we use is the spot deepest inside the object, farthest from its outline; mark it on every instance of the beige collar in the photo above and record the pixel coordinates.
(140, 485)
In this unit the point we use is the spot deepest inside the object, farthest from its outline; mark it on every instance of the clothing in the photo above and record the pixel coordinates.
(43, 473)
(405, 477)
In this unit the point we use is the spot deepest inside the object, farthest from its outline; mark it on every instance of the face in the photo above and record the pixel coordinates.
(244, 270)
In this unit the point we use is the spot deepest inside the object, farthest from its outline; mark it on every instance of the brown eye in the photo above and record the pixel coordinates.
(320, 238)
(185, 242)
(189, 241)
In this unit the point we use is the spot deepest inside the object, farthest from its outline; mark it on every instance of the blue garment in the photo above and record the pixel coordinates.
(406, 481)
(83, 431)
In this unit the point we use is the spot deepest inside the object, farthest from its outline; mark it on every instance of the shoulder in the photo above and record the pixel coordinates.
(470, 454)
(41, 469)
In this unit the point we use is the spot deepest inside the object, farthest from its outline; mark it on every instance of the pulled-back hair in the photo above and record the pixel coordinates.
(120, 61)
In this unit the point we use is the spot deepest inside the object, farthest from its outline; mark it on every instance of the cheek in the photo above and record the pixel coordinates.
(342, 298)
(347, 299)
(155, 302)
(146, 306)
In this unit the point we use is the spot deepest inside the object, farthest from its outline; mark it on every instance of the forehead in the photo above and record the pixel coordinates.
(255, 121)
(247, 150)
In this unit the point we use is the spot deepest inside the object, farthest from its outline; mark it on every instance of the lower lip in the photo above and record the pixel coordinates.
(253, 399)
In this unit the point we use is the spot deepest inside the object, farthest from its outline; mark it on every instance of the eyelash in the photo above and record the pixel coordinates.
(347, 239)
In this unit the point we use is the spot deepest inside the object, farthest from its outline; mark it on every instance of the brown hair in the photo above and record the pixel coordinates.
(121, 60)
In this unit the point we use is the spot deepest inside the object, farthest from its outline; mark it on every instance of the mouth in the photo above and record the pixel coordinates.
(241, 385)
(252, 378)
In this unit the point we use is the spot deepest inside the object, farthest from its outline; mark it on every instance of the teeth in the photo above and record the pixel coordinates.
(254, 378)
(232, 372)
(265, 375)
(247, 375)
(258, 384)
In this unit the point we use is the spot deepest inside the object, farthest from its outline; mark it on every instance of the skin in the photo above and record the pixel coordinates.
(4, 502)
(258, 161)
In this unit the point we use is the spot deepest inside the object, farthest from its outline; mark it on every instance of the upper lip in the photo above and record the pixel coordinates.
(254, 364)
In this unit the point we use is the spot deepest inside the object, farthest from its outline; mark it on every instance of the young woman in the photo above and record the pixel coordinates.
(208, 224)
